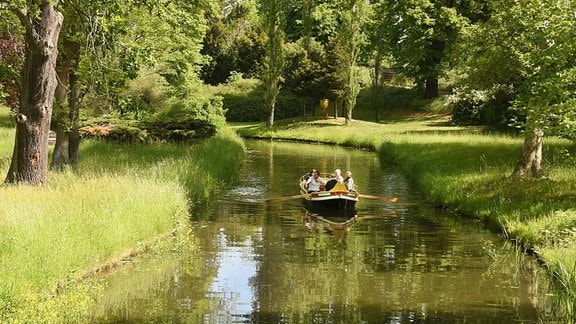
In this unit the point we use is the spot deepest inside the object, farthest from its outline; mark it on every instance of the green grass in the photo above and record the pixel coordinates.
(467, 170)
(122, 199)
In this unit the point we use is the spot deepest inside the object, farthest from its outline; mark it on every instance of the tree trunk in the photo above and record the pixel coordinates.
(274, 67)
(431, 90)
(67, 107)
(74, 118)
(376, 84)
(531, 157)
(61, 112)
(348, 112)
(30, 156)
(335, 104)
(270, 120)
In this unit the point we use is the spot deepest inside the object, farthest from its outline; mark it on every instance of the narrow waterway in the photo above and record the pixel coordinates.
(261, 262)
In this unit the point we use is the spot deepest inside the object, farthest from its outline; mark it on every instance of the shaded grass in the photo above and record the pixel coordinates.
(465, 169)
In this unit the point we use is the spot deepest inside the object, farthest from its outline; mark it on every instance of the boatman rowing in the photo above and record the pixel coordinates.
(315, 183)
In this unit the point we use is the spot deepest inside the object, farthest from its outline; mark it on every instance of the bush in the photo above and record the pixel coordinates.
(179, 130)
(169, 129)
(127, 134)
(483, 107)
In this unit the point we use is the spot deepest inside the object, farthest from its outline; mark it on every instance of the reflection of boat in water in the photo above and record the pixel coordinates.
(334, 196)
(338, 224)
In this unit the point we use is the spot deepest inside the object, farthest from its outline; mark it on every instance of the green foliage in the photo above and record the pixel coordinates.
(166, 127)
(527, 46)
(242, 100)
(11, 61)
(142, 95)
(233, 42)
(193, 105)
(306, 70)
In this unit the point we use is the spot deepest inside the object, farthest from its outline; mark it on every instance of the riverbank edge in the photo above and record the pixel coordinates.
(423, 176)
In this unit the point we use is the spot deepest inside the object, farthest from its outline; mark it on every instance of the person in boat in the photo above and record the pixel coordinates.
(315, 183)
(348, 181)
(338, 175)
(309, 175)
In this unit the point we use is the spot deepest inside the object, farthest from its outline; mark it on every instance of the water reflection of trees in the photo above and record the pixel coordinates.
(352, 269)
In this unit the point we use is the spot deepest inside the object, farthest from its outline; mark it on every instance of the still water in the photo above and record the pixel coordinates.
(261, 262)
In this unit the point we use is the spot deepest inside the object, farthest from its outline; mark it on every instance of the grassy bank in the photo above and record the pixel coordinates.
(122, 200)
(463, 169)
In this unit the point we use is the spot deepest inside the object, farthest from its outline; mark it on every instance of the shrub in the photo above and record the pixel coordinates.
(127, 134)
(179, 130)
(483, 107)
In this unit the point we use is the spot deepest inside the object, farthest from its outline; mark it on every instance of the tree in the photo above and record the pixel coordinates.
(422, 32)
(350, 38)
(105, 44)
(233, 43)
(528, 47)
(377, 30)
(42, 21)
(272, 15)
(547, 93)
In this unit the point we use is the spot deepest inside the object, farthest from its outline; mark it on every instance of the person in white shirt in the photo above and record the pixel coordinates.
(348, 181)
(315, 183)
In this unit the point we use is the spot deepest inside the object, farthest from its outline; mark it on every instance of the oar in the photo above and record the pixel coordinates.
(390, 199)
(280, 199)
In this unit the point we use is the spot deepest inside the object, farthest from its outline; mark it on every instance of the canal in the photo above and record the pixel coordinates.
(260, 262)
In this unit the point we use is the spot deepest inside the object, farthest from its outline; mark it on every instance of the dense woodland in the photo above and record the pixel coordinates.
(135, 70)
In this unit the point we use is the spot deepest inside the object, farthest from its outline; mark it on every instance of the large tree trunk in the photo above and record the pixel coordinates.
(531, 157)
(30, 157)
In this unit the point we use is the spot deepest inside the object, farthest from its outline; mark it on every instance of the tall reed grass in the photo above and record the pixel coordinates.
(119, 199)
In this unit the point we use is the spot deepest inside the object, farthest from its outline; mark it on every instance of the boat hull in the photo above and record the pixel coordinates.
(337, 198)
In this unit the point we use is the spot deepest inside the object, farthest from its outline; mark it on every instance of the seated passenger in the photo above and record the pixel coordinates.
(330, 184)
(315, 183)
(348, 181)
(338, 176)
(309, 175)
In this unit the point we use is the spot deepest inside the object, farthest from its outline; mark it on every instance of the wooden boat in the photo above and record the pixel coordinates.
(334, 196)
